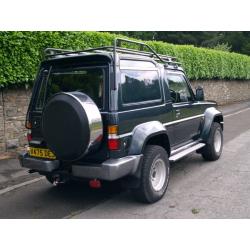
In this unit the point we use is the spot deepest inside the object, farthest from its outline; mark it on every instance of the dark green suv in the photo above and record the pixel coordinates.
(113, 113)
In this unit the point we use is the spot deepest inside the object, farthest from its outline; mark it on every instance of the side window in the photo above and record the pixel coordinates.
(178, 87)
(140, 86)
(41, 93)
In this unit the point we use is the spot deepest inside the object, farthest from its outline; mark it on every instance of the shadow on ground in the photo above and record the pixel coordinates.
(43, 200)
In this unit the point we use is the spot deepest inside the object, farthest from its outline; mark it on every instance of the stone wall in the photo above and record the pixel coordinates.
(13, 108)
(14, 104)
(224, 92)
(2, 144)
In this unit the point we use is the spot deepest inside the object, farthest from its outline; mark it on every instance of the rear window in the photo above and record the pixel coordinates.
(140, 86)
(89, 81)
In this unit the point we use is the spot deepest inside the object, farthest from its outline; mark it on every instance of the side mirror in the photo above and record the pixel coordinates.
(199, 94)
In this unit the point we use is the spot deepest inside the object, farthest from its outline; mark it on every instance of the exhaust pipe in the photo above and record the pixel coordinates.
(57, 180)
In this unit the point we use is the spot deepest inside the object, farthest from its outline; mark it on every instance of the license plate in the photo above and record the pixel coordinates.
(41, 153)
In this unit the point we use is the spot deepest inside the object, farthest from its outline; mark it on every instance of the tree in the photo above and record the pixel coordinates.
(237, 41)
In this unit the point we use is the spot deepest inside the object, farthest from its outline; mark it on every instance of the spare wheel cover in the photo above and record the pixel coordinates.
(71, 125)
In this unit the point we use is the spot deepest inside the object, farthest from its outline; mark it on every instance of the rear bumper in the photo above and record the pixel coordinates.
(37, 164)
(111, 169)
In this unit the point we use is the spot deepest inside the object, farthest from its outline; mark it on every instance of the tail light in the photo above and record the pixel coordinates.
(113, 140)
(113, 144)
(29, 136)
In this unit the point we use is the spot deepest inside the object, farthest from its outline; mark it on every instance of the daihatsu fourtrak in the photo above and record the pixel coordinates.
(112, 112)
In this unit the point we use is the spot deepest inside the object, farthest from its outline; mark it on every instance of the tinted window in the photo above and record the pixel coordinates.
(41, 93)
(89, 81)
(179, 90)
(140, 86)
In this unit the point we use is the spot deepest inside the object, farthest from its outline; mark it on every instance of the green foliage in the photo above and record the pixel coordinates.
(21, 52)
(223, 47)
(238, 41)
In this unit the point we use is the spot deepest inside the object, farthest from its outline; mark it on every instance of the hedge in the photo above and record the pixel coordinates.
(21, 52)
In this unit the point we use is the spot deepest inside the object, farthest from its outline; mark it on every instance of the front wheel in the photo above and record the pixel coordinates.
(154, 175)
(213, 149)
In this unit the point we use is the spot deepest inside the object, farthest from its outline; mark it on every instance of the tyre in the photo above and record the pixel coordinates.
(154, 175)
(213, 149)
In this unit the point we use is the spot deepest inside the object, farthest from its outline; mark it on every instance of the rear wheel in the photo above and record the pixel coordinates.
(154, 175)
(213, 149)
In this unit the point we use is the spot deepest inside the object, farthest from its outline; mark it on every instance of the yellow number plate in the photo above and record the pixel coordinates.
(41, 153)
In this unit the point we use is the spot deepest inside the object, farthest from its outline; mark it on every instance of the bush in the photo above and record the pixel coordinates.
(222, 47)
(21, 52)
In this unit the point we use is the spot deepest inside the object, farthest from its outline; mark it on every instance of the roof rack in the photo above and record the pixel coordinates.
(151, 52)
(164, 58)
(117, 47)
(53, 52)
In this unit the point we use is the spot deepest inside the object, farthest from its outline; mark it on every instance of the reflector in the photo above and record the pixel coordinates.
(29, 136)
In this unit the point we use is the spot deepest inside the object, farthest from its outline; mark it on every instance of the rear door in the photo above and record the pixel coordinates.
(187, 115)
(91, 80)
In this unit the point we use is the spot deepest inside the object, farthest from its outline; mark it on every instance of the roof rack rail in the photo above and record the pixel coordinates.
(167, 59)
(148, 53)
(117, 47)
(118, 43)
(53, 51)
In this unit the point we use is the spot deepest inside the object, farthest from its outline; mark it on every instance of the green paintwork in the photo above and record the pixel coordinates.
(145, 114)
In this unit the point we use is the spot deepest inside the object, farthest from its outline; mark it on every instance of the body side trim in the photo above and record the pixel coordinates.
(183, 120)
(164, 124)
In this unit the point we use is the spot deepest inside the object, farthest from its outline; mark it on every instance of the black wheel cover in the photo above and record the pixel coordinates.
(65, 127)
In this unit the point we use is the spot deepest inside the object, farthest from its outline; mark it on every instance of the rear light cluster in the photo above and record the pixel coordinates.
(28, 124)
(113, 144)
(113, 139)
(29, 136)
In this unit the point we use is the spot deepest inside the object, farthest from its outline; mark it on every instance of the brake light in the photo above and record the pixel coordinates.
(113, 144)
(113, 140)
(29, 136)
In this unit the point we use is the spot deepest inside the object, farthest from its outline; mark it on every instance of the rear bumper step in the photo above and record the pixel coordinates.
(110, 170)
(179, 154)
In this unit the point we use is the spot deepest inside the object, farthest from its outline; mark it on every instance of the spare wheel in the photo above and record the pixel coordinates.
(71, 125)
